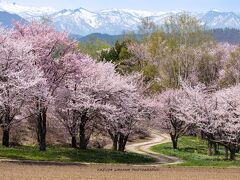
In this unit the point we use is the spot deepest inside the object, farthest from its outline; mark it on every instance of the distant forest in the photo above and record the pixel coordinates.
(227, 35)
(220, 35)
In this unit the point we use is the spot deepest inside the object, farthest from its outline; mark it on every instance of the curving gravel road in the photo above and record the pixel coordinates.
(144, 148)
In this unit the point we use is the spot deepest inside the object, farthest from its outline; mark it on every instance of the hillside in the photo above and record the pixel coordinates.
(220, 35)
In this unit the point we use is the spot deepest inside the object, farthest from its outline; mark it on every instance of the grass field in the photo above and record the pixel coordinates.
(66, 154)
(193, 151)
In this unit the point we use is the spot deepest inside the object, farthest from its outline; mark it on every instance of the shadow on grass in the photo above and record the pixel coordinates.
(194, 153)
(65, 154)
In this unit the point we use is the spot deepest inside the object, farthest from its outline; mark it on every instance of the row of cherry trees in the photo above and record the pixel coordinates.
(208, 104)
(199, 110)
(203, 104)
(42, 73)
(197, 90)
(192, 82)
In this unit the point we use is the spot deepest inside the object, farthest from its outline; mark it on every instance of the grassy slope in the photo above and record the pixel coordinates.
(66, 154)
(193, 151)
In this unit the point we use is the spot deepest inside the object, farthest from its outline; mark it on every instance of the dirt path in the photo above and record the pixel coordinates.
(18, 171)
(144, 148)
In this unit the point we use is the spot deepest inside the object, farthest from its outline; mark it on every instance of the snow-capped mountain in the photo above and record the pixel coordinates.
(115, 21)
(82, 21)
(112, 21)
(25, 11)
(6, 19)
(217, 19)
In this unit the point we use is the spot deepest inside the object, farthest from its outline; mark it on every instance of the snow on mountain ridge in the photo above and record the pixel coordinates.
(139, 13)
(113, 21)
(26, 12)
(217, 19)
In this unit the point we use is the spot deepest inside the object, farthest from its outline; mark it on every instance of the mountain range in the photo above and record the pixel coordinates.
(82, 22)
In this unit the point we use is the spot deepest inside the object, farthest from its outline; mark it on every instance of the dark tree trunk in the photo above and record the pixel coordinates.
(119, 141)
(5, 137)
(83, 142)
(202, 135)
(82, 133)
(41, 129)
(122, 142)
(210, 148)
(215, 149)
(115, 142)
(74, 129)
(232, 154)
(74, 142)
(114, 138)
(226, 152)
(174, 139)
(6, 128)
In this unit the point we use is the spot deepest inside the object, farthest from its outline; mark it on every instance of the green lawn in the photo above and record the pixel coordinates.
(193, 151)
(67, 154)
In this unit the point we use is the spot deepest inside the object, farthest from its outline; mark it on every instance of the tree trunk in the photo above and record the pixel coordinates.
(215, 149)
(122, 142)
(115, 143)
(41, 131)
(202, 135)
(114, 138)
(226, 152)
(74, 129)
(119, 141)
(83, 142)
(82, 133)
(174, 141)
(82, 137)
(5, 137)
(74, 142)
(210, 148)
(232, 154)
(6, 128)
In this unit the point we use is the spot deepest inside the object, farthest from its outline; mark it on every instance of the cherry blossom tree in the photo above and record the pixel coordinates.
(129, 113)
(97, 96)
(215, 114)
(78, 102)
(67, 116)
(168, 115)
(198, 108)
(19, 76)
(227, 119)
(51, 50)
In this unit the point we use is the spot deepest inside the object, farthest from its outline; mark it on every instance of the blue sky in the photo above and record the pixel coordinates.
(151, 5)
